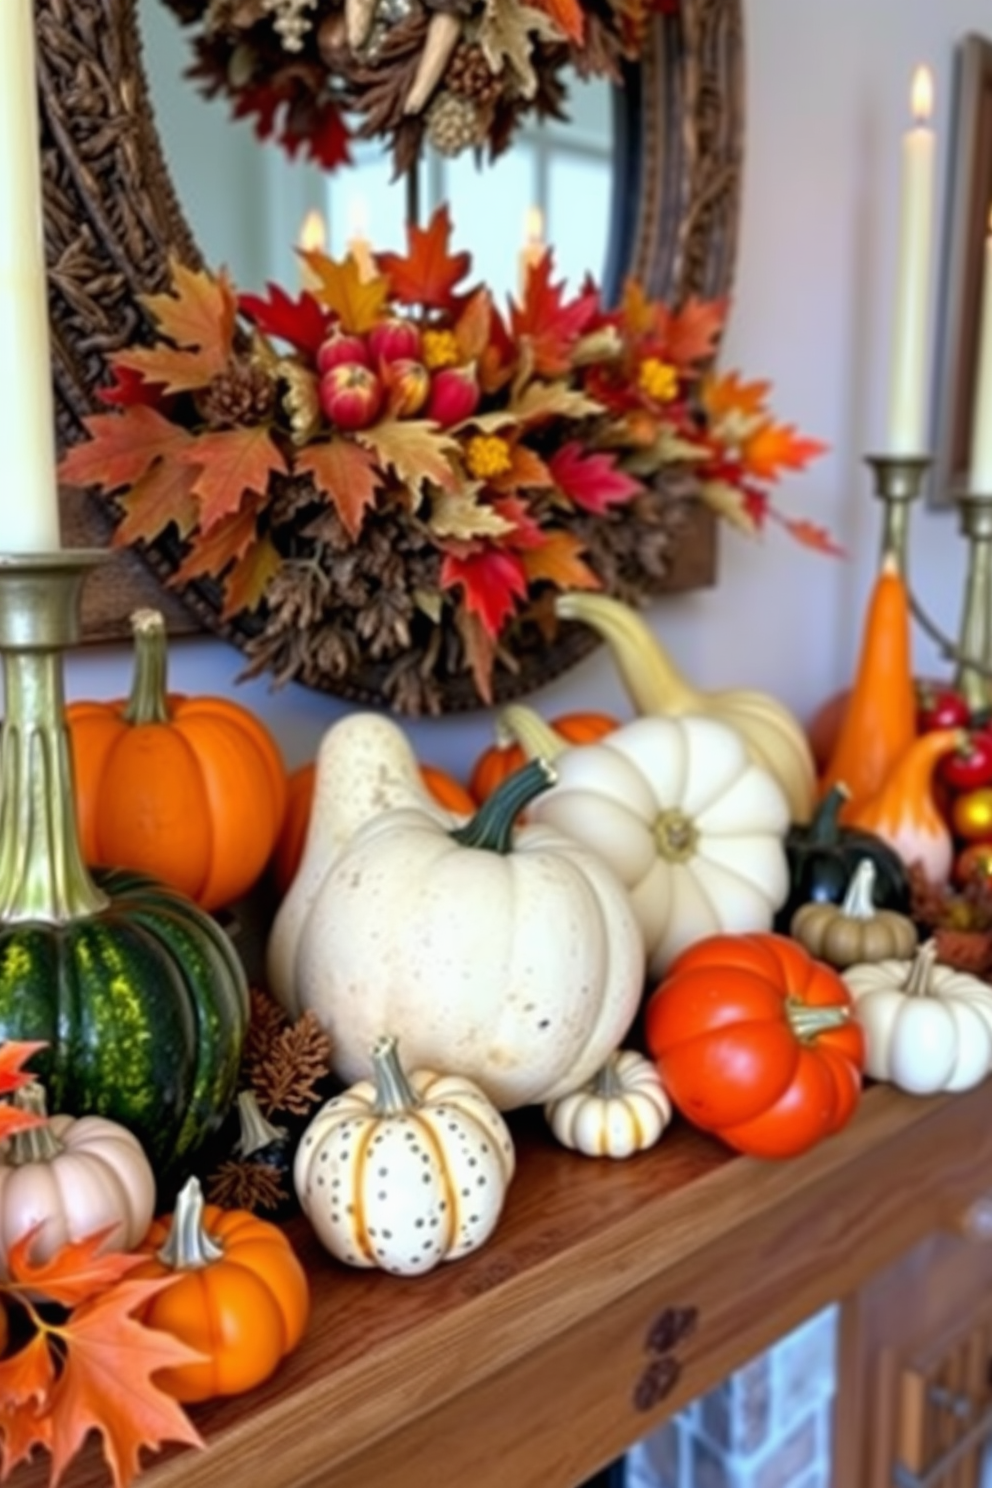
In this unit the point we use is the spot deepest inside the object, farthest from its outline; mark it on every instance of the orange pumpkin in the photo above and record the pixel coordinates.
(191, 790)
(445, 789)
(240, 1295)
(505, 756)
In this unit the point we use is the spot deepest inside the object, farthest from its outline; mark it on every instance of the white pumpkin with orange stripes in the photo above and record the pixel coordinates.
(403, 1171)
(624, 1109)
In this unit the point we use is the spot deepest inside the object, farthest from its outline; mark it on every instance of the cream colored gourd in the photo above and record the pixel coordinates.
(928, 1027)
(775, 738)
(855, 930)
(365, 765)
(508, 955)
(404, 1171)
(72, 1176)
(624, 1109)
(691, 826)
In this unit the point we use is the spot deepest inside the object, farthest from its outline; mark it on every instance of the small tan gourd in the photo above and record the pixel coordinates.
(855, 930)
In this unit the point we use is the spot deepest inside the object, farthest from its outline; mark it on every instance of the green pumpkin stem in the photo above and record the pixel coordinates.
(859, 900)
(256, 1132)
(393, 1091)
(42, 873)
(35, 1143)
(920, 968)
(188, 1247)
(824, 829)
(148, 701)
(492, 825)
(608, 1084)
(808, 1022)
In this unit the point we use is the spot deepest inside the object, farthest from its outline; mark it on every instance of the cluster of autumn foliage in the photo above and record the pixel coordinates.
(254, 421)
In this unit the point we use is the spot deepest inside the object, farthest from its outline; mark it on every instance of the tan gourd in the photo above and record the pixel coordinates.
(856, 929)
(774, 737)
(904, 812)
(879, 721)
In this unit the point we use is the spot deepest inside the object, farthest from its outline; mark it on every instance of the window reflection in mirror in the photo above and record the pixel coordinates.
(246, 202)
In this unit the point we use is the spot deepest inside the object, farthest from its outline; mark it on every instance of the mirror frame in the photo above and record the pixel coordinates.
(113, 221)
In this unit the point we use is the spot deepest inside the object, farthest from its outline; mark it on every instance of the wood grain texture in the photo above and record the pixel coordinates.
(546, 1353)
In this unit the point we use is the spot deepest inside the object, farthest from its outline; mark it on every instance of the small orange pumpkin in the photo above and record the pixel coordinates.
(240, 1295)
(191, 790)
(505, 756)
(445, 789)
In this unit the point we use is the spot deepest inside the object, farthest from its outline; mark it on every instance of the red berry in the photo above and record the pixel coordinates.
(938, 705)
(970, 764)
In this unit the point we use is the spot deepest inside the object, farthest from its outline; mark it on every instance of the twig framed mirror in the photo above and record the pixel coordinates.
(116, 231)
(969, 205)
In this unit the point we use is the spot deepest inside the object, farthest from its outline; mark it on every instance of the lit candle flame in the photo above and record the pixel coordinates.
(313, 233)
(534, 227)
(922, 95)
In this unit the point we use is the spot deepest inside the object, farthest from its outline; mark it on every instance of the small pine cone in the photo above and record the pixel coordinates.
(242, 394)
(470, 76)
(454, 124)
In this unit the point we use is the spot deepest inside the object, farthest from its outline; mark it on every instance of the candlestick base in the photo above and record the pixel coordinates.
(973, 677)
(898, 483)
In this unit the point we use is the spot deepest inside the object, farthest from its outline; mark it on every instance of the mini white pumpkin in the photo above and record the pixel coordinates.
(622, 1110)
(928, 1027)
(693, 828)
(403, 1171)
(72, 1176)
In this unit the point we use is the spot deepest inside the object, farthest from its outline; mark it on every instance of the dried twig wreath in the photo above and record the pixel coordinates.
(116, 232)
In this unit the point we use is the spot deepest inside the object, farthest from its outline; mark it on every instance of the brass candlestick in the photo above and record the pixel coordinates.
(973, 676)
(42, 874)
(898, 483)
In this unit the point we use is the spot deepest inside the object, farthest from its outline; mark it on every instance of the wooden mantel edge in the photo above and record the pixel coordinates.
(405, 1377)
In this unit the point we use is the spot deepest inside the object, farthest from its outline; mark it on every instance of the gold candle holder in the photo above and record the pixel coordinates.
(973, 676)
(42, 873)
(898, 483)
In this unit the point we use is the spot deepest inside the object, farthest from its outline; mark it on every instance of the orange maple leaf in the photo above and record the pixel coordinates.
(122, 448)
(247, 581)
(567, 15)
(227, 542)
(471, 329)
(774, 447)
(78, 1270)
(689, 336)
(558, 561)
(13, 1054)
(428, 272)
(231, 462)
(810, 535)
(347, 474)
(727, 394)
(480, 651)
(162, 495)
(107, 1385)
(26, 1378)
(358, 303)
(200, 311)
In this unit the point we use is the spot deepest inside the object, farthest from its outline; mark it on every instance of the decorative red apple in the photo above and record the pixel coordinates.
(350, 396)
(394, 340)
(454, 396)
(408, 383)
(339, 350)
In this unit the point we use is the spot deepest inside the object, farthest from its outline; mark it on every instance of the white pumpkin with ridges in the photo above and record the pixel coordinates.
(624, 1109)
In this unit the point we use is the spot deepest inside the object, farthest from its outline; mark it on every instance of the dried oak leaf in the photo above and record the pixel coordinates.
(298, 1059)
(246, 1185)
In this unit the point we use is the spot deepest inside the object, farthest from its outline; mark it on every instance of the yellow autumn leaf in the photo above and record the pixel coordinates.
(460, 514)
(416, 451)
(728, 503)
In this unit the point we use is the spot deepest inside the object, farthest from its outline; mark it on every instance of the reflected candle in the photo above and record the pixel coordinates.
(980, 464)
(29, 504)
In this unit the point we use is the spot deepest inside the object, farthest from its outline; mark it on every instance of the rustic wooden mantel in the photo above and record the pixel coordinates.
(610, 1296)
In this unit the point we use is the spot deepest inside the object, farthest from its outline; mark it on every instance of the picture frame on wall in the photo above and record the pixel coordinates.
(960, 286)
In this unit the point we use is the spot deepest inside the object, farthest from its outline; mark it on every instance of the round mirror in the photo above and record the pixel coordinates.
(117, 225)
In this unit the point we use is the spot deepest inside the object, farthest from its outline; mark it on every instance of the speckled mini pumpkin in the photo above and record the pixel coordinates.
(403, 1171)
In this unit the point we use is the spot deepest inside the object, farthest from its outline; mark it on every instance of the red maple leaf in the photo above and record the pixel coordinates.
(129, 387)
(492, 581)
(428, 272)
(591, 481)
(550, 323)
(302, 322)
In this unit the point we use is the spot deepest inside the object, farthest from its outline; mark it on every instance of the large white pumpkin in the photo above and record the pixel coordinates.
(510, 956)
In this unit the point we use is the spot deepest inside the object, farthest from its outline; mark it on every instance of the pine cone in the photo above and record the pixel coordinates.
(242, 394)
(470, 76)
(454, 124)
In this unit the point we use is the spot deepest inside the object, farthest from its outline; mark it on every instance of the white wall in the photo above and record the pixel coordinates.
(827, 103)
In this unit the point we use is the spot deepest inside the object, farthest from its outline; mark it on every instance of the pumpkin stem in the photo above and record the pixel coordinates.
(393, 1091)
(187, 1246)
(42, 873)
(492, 825)
(147, 702)
(608, 1083)
(920, 968)
(824, 829)
(256, 1132)
(859, 900)
(536, 737)
(35, 1143)
(807, 1022)
(652, 681)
